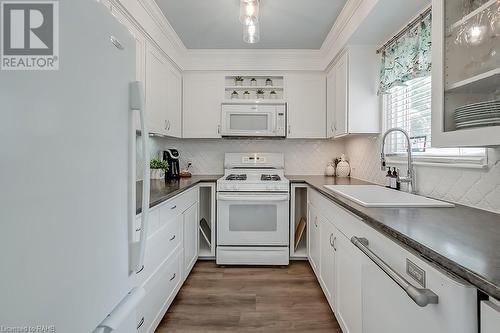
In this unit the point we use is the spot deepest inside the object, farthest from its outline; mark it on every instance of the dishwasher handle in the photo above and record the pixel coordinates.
(421, 296)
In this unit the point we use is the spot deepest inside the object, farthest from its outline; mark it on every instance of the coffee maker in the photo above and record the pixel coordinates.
(172, 158)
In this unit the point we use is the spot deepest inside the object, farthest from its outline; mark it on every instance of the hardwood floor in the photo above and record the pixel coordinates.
(250, 299)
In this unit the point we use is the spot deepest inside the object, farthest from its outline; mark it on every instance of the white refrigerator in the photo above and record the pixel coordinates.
(68, 253)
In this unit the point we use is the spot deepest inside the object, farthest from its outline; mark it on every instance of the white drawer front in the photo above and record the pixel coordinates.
(161, 289)
(175, 206)
(160, 246)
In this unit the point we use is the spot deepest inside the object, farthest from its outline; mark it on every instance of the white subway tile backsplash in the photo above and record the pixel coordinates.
(472, 187)
(303, 157)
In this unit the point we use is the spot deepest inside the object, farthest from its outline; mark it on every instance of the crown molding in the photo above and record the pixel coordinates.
(253, 60)
(157, 15)
(350, 18)
(152, 20)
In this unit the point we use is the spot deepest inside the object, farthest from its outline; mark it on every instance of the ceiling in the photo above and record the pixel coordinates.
(386, 19)
(284, 24)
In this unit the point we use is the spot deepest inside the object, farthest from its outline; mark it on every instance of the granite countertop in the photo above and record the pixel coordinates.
(462, 240)
(162, 190)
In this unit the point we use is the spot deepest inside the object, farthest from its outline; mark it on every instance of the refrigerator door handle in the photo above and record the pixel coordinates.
(138, 247)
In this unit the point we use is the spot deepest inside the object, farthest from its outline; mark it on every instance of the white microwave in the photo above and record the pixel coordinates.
(253, 120)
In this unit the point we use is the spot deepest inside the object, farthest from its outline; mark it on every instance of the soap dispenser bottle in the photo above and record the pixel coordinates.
(388, 178)
(394, 179)
(398, 182)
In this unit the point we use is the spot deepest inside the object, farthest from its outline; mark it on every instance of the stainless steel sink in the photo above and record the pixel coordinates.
(378, 196)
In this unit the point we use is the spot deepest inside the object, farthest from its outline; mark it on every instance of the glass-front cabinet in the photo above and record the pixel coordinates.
(466, 72)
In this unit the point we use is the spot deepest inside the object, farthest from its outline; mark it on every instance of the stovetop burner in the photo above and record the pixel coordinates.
(270, 177)
(236, 177)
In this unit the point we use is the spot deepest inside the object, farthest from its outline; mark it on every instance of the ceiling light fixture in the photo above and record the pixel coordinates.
(249, 16)
(249, 11)
(251, 33)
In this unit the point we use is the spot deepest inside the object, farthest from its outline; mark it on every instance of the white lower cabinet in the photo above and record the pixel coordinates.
(328, 235)
(161, 289)
(365, 299)
(490, 316)
(190, 217)
(313, 243)
(348, 261)
(171, 252)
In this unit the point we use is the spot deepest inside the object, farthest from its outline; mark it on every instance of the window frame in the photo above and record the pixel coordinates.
(475, 161)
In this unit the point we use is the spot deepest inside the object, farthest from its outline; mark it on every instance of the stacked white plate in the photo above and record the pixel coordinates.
(478, 114)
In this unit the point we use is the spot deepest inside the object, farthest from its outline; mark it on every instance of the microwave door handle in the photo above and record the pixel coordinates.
(138, 249)
(273, 198)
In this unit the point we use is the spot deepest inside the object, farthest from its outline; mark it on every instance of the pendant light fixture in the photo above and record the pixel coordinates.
(249, 17)
(251, 33)
(249, 11)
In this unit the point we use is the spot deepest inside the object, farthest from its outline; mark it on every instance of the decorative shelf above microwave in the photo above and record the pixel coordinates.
(254, 89)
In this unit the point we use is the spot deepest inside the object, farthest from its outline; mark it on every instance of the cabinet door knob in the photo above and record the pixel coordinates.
(173, 277)
(173, 237)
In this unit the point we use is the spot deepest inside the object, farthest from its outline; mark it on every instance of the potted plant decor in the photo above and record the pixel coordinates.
(269, 82)
(234, 95)
(260, 93)
(253, 82)
(273, 95)
(246, 95)
(238, 80)
(158, 168)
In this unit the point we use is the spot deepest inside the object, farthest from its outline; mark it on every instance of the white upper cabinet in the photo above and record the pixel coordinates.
(174, 102)
(341, 97)
(163, 94)
(306, 97)
(465, 74)
(203, 95)
(352, 101)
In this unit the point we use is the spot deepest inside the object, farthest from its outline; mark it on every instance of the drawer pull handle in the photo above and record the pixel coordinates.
(421, 296)
(173, 277)
(142, 268)
(138, 229)
(173, 237)
(140, 323)
(174, 207)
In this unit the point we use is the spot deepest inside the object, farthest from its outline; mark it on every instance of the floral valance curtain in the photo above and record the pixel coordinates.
(408, 57)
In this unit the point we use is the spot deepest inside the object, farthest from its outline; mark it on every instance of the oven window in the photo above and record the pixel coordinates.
(248, 122)
(253, 217)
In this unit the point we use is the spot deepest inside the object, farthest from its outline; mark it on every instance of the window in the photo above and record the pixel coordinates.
(408, 107)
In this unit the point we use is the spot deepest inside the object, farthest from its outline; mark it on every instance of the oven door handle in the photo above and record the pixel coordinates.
(274, 198)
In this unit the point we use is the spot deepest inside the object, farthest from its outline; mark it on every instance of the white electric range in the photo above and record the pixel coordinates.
(253, 210)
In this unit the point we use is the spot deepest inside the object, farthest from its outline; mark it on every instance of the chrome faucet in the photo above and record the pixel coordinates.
(410, 177)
